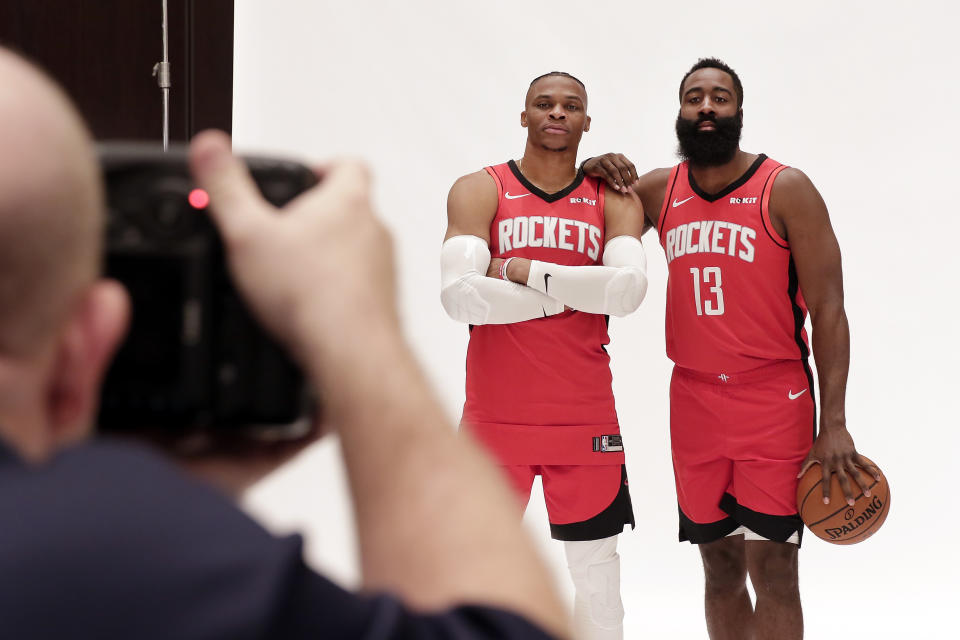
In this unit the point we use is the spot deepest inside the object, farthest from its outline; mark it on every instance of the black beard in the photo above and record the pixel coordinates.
(708, 148)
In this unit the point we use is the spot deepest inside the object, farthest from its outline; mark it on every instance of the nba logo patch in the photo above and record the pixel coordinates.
(607, 444)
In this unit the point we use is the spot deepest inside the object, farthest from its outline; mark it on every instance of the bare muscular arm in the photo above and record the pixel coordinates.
(471, 206)
(799, 214)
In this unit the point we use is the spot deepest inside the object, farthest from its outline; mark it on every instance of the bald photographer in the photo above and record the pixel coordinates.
(106, 539)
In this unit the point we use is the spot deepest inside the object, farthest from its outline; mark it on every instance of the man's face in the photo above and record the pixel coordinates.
(556, 113)
(709, 123)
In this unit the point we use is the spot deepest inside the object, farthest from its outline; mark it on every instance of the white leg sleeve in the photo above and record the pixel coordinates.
(597, 608)
(468, 295)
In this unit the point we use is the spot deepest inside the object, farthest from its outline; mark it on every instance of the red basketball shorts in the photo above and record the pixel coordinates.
(584, 502)
(738, 441)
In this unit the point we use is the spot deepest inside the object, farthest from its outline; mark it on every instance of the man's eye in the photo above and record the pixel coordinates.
(720, 99)
(573, 107)
(542, 105)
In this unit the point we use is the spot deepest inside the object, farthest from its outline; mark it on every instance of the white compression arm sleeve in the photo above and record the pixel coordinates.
(468, 295)
(617, 288)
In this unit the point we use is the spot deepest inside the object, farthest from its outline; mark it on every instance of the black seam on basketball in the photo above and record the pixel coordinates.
(843, 508)
(875, 519)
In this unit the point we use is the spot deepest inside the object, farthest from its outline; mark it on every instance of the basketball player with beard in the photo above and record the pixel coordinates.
(750, 251)
(535, 259)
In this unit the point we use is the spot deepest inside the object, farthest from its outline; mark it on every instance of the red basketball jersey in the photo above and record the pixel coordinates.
(539, 392)
(733, 300)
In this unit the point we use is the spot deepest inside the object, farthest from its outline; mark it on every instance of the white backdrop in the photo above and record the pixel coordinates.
(861, 96)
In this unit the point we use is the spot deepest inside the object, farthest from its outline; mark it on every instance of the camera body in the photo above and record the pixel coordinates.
(194, 358)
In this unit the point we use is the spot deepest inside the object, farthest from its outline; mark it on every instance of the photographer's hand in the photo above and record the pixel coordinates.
(321, 264)
(437, 524)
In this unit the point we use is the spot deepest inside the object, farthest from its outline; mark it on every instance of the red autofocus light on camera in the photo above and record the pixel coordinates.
(198, 199)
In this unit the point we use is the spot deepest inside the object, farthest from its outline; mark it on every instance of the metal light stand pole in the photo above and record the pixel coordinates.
(161, 71)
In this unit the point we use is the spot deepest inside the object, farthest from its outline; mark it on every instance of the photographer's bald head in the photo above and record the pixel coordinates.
(59, 323)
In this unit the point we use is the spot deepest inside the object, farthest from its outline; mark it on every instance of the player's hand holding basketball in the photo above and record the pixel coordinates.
(319, 273)
(835, 453)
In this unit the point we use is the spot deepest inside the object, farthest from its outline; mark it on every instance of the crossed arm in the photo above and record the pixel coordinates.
(473, 292)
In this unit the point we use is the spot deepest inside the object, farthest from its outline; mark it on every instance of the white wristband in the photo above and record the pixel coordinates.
(503, 269)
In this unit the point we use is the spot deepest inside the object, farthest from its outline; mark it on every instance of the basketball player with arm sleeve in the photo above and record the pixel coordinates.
(535, 259)
(750, 250)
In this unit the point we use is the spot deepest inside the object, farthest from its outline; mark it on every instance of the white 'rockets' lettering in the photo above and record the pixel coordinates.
(565, 231)
(710, 236)
(549, 232)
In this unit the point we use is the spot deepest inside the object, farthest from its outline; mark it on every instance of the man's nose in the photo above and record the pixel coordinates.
(558, 113)
(707, 107)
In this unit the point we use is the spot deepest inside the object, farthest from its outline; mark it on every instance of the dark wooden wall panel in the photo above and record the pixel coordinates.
(103, 52)
(211, 74)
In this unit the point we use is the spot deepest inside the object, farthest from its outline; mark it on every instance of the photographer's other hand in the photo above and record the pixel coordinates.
(437, 524)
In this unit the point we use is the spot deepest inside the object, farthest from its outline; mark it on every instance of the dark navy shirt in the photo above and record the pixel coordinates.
(109, 540)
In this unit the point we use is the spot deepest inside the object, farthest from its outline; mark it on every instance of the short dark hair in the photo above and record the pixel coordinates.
(715, 63)
(559, 73)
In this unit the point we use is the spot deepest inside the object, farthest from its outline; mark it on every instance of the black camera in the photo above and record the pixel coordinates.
(194, 358)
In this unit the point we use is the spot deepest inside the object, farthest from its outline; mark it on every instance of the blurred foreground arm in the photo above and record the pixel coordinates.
(437, 525)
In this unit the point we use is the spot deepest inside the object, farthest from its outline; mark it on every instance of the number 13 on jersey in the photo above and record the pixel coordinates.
(709, 277)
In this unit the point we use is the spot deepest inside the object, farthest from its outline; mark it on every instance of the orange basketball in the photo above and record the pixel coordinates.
(838, 522)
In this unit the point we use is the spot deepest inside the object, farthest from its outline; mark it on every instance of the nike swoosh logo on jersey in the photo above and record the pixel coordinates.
(677, 204)
(546, 283)
(510, 197)
(794, 396)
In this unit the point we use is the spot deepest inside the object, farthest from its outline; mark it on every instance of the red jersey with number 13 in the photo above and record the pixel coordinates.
(733, 299)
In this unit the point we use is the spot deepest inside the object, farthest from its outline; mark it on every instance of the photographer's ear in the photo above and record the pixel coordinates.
(91, 335)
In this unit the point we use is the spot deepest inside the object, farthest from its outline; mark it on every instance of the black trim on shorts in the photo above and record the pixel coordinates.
(696, 533)
(608, 522)
(540, 193)
(730, 188)
(776, 528)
